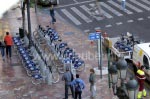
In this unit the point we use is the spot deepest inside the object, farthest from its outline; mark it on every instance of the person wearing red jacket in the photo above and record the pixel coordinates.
(141, 78)
(9, 42)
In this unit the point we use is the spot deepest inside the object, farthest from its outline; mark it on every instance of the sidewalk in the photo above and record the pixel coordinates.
(14, 82)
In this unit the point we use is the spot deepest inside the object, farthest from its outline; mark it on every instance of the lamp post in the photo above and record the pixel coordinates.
(125, 91)
(132, 87)
(29, 22)
(113, 74)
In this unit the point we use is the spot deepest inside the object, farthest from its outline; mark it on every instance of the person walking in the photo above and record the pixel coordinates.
(8, 41)
(92, 81)
(141, 78)
(78, 85)
(67, 77)
(2, 48)
(52, 13)
(123, 4)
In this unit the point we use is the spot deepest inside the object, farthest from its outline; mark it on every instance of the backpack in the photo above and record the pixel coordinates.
(78, 87)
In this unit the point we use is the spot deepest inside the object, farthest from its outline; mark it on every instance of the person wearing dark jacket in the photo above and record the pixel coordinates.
(2, 48)
(67, 77)
(52, 13)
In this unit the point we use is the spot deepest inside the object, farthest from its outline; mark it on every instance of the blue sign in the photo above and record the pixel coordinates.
(94, 36)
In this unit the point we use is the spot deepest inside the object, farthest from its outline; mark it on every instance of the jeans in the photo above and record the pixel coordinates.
(78, 94)
(123, 5)
(53, 18)
(2, 51)
(66, 91)
(93, 90)
(8, 50)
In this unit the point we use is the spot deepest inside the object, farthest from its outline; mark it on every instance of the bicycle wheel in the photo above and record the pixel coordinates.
(81, 68)
(55, 74)
(36, 81)
(29, 73)
(61, 69)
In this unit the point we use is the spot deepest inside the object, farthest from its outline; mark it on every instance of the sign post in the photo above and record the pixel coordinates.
(97, 36)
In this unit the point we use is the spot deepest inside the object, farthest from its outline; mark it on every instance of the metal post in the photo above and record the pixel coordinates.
(100, 55)
(29, 23)
(108, 56)
(35, 2)
(23, 16)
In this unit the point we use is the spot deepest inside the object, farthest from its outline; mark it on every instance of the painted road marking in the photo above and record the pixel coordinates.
(132, 7)
(119, 7)
(119, 23)
(111, 9)
(86, 9)
(140, 19)
(71, 17)
(85, 18)
(108, 26)
(146, 1)
(129, 21)
(141, 5)
(103, 12)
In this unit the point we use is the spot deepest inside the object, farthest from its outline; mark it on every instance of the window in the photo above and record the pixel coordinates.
(146, 62)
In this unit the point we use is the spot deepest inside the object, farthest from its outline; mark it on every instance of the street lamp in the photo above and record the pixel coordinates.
(132, 87)
(125, 91)
(113, 77)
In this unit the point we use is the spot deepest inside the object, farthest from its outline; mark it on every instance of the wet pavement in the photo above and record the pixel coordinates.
(14, 82)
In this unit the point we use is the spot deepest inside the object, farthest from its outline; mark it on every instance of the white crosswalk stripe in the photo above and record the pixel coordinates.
(85, 18)
(111, 9)
(119, 7)
(86, 9)
(132, 7)
(141, 5)
(83, 14)
(104, 12)
(146, 1)
(71, 17)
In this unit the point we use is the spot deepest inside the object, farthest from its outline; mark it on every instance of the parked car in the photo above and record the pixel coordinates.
(48, 2)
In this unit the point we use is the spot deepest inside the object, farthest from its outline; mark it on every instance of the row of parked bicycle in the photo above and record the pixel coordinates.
(28, 61)
(37, 65)
(60, 49)
(44, 60)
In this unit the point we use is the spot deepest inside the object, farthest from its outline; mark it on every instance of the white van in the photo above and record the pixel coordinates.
(141, 54)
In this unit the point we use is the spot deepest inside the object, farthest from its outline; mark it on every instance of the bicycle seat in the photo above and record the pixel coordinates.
(62, 45)
(37, 76)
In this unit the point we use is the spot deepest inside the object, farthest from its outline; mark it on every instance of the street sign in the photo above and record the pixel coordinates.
(94, 36)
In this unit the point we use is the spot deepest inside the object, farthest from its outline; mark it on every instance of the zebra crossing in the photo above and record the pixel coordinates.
(81, 14)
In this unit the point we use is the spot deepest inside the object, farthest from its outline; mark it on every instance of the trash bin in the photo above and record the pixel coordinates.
(21, 32)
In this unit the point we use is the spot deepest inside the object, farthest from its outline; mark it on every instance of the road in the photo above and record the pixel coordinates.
(136, 18)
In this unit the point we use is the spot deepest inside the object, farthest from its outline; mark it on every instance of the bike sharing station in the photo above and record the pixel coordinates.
(97, 36)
